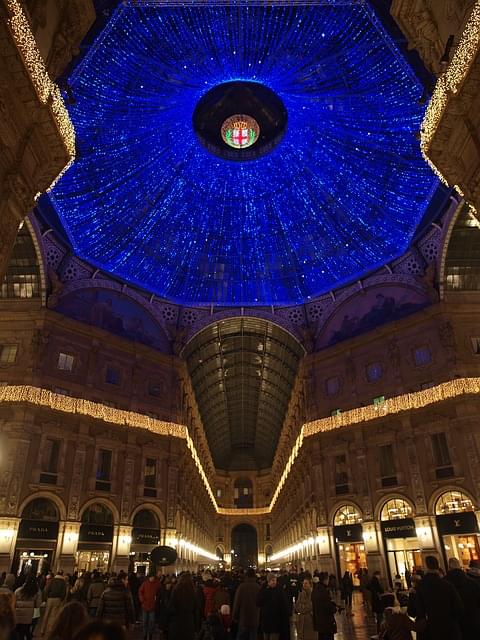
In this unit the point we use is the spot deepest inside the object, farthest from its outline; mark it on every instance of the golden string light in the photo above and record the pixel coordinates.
(450, 82)
(47, 91)
(407, 402)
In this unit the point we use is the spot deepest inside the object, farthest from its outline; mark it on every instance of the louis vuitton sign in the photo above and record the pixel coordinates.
(348, 533)
(457, 523)
(401, 528)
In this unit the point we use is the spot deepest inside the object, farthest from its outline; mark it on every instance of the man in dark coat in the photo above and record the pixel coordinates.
(274, 611)
(323, 609)
(245, 611)
(439, 604)
(469, 592)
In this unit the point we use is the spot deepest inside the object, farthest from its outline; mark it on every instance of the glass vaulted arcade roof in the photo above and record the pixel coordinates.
(333, 185)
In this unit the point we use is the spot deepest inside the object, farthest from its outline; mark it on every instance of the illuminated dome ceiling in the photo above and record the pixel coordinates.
(340, 190)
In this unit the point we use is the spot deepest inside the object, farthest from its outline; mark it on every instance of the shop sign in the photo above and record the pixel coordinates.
(402, 528)
(37, 530)
(457, 523)
(145, 536)
(96, 533)
(348, 533)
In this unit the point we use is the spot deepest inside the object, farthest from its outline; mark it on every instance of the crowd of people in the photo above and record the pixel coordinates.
(238, 605)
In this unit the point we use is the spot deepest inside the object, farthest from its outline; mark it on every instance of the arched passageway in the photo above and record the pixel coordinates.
(244, 546)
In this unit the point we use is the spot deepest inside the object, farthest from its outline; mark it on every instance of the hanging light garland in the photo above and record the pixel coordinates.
(47, 91)
(407, 402)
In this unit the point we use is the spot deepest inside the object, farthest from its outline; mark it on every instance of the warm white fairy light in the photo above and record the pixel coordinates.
(47, 91)
(406, 402)
(450, 82)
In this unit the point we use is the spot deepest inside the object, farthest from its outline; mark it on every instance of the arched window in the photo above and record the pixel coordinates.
(453, 502)
(41, 509)
(347, 514)
(97, 514)
(396, 509)
(268, 552)
(219, 553)
(243, 493)
(146, 519)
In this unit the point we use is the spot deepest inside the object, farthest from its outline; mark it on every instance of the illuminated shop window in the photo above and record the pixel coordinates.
(347, 514)
(396, 509)
(453, 502)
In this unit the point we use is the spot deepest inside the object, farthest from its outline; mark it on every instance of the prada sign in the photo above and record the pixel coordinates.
(348, 533)
(403, 528)
(96, 533)
(457, 523)
(145, 536)
(37, 530)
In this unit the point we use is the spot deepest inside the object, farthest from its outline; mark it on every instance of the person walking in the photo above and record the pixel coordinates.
(439, 604)
(116, 604)
(181, 610)
(8, 585)
(147, 595)
(274, 617)
(324, 609)
(54, 596)
(78, 592)
(304, 610)
(376, 590)
(347, 592)
(7, 616)
(469, 592)
(28, 598)
(94, 593)
(245, 612)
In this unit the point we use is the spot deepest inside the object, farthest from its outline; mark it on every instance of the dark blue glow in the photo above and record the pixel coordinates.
(341, 194)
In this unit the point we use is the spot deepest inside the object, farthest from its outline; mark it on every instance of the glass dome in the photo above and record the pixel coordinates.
(341, 192)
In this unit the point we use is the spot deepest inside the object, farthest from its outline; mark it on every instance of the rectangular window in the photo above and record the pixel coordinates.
(65, 362)
(112, 375)
(267, 531)
(422, 356)
(475, 345)
(8, 353)
(388, 471)
(219, 493)
(441, 454)
(49, 462)
(341, 474)
(150, 478)
(104, 470)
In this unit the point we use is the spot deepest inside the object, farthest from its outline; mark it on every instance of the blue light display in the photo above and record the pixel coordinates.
(341, 194)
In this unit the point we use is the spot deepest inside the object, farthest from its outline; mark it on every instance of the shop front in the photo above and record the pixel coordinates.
(349, 544)
(402, 547)
(37, 538)
(95, 540)
(457, 527)
(146, 536)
